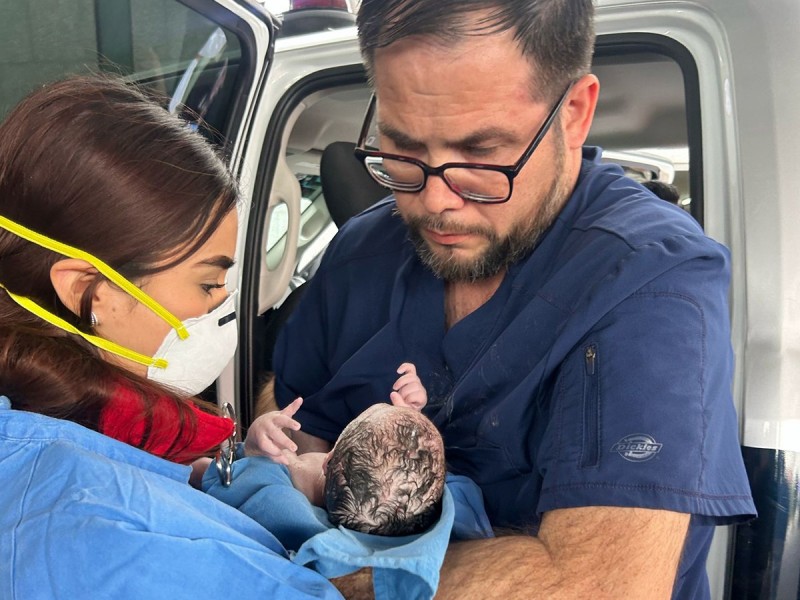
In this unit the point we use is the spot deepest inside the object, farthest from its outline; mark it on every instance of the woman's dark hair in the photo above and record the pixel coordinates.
(556, 36)
(93, 162)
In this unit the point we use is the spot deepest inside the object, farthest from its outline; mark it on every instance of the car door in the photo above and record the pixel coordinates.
(206, 60)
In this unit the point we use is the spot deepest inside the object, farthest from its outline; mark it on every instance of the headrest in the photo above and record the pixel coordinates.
(346, 185)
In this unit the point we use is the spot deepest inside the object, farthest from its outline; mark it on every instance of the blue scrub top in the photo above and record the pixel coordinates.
(85, 516)
(599, 373)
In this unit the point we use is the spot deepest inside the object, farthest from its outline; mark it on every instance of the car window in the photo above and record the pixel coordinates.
(186, 59)
(311, 189)
(643, 118)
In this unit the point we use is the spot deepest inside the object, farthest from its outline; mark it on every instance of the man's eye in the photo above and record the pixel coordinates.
(482, 152)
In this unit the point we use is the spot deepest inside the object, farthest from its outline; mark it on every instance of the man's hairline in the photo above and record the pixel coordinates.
(536, 95)
(538, 91)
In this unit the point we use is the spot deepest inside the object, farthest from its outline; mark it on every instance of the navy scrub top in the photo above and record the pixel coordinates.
(599, 373)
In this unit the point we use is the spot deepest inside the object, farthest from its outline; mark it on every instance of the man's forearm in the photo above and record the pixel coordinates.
(597, 552)
(505, 567)
(356, 586)
(594, 552)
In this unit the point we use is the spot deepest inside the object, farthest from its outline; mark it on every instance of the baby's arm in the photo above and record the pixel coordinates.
(265, 437)
(408, 390)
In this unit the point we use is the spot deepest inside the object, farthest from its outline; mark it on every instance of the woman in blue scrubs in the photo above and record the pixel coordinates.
(117, 229)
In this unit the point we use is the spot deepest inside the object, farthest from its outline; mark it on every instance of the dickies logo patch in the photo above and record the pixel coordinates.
(638, 447)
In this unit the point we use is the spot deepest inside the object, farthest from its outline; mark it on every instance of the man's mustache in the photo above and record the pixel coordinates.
(441, 225)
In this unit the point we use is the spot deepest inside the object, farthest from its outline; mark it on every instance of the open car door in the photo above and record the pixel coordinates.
(206, 60)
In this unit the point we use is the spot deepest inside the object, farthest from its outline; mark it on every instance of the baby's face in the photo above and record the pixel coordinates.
(313, 462)
(308, 475)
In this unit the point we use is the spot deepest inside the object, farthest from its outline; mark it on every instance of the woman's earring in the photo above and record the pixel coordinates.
(93, 320)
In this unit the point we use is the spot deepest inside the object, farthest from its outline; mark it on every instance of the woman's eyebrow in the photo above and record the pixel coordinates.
(221, 261)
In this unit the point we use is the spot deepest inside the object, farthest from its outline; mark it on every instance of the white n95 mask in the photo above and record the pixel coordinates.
(193, 363)
(193, 353)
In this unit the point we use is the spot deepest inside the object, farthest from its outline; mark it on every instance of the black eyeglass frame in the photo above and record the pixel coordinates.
(510, 171)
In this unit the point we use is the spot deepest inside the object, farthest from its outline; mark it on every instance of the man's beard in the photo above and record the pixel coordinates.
(501, 252)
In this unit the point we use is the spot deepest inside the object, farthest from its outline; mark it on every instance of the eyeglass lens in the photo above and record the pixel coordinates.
(482, 185)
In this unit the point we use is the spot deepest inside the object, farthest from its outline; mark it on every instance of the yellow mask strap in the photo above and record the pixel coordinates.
(66, 250)
(103, 343)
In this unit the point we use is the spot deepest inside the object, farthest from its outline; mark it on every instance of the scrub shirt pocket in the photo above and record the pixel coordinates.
(573, 438)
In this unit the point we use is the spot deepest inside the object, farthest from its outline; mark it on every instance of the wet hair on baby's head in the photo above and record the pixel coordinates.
(386, 473)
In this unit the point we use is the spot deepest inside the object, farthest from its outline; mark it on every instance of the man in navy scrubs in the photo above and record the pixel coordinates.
(573, 335)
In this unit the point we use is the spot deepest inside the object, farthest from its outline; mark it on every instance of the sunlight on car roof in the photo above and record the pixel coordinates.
(277, 7)
(299, 17)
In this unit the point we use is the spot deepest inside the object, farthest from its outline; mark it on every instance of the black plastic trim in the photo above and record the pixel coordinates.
(766, 558)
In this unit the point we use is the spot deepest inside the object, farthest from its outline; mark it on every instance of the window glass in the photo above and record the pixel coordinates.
(179, 54)
(642, 118)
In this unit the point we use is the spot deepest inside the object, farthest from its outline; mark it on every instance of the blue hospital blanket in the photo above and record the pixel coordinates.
(405, 567)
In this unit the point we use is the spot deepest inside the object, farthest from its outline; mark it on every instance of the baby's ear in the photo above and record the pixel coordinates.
(325, 462)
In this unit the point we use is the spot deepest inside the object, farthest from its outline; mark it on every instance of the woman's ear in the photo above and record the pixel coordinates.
(578, 111)
(70, 278)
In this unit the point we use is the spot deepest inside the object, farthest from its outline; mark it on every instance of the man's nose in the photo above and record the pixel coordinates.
(437, 196)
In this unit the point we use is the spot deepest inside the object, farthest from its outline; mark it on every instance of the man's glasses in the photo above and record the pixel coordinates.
(476, 182)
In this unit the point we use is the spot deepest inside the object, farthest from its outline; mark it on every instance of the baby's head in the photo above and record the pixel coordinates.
(386, 473)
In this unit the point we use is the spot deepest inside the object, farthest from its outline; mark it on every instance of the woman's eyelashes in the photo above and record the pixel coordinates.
(209, 287)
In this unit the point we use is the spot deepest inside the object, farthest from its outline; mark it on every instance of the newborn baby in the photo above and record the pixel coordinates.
(385, 475)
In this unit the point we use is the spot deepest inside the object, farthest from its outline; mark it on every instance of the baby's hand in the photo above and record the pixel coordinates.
(407, 390)
(266, 437)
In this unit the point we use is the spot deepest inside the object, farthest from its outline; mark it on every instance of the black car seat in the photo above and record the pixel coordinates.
(348, 189)
(346, 185)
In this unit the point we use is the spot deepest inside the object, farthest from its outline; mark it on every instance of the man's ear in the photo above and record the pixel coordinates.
(70, 278)
(578, 111)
